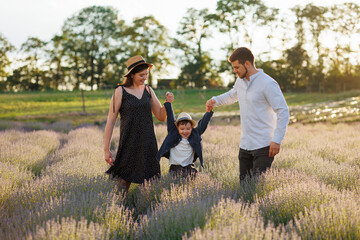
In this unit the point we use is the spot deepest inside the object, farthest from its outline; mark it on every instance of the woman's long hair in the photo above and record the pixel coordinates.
(129, 80)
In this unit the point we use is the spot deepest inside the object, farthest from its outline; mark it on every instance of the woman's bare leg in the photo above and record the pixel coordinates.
(123, 185)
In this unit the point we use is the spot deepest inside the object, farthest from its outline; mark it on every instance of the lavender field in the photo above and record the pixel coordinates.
(53, 186)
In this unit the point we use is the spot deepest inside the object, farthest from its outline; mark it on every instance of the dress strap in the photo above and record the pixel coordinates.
(148, 87)
(114, 96)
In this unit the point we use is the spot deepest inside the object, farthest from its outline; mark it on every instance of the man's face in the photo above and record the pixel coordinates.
(239, 69)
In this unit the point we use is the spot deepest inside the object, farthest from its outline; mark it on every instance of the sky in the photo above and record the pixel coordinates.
(20, 19)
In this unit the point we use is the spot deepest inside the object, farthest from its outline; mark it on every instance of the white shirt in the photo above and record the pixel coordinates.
(263, 110)
(182, 154)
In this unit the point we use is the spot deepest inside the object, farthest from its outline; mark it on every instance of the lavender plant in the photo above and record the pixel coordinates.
(230, 219)
(338, 219)
(53, 186)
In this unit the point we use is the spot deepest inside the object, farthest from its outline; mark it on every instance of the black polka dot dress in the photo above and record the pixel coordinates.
(136, 155)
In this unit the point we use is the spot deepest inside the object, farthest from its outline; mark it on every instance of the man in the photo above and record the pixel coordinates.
(263, 112)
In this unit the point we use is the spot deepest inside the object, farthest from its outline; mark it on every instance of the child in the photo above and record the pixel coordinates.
(182, 145)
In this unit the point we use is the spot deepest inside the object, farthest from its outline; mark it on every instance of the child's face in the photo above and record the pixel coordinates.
(185, 129)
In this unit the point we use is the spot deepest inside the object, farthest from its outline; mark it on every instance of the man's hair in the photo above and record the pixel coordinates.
(242, 54)
(184, 122)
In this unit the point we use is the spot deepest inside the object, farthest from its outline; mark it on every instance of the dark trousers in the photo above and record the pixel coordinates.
(179, 170)
(254, 162)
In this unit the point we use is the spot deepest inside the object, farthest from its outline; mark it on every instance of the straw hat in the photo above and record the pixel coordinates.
(134, 62)
(184, 116)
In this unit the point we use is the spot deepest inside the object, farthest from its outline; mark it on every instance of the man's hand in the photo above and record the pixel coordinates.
(210, 104)
(274, 149)
(169, 97)
(209, 107)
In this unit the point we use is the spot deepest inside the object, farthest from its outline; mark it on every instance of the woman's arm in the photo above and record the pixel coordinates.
(158, 110)
(110, 123)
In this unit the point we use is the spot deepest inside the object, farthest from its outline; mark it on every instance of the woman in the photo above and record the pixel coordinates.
(136, 156)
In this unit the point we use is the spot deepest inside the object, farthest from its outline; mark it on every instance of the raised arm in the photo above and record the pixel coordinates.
(170, 116)
(110, 123)
(204, 121)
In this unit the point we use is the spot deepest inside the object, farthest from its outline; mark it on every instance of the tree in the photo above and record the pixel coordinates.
(31, 71)
(297, 60)
(344, 25)
(57, 72)
(238, 19)
(195, 26)
(149, 38)
(88, 36)
(5, 49)
(315, 17)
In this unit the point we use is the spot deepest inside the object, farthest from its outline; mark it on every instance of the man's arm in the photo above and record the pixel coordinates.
(229, 97)
(277, 101)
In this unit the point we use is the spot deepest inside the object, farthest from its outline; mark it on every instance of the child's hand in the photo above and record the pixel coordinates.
(209, 108)
(210, 105)
(169, 97)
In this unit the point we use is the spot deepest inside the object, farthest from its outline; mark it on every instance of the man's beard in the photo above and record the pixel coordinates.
(244, 75)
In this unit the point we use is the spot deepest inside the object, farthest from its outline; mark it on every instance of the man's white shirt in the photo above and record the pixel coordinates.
(264, 113)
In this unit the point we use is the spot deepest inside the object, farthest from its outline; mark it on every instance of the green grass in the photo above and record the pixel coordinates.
(53, 106)
(68, 106)
(296, 99)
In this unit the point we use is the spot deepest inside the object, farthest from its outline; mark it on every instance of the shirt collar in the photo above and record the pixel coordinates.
(254, 76)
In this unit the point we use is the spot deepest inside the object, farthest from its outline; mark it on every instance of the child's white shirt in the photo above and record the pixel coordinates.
(182, 154)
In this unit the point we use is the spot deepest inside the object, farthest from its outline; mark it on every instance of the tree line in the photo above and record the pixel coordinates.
(95, 42)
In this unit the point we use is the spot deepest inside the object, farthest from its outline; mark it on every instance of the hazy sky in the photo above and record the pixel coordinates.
(20, 19)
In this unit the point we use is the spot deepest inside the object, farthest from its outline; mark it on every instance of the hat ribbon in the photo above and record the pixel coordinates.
(132, 65)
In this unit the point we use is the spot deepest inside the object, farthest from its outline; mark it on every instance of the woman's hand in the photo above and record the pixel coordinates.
(169, 97)
(109, 158)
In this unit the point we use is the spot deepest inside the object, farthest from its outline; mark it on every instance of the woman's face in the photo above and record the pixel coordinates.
(140, 77)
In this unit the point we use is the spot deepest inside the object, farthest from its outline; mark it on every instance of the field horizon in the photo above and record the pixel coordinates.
(64, 111)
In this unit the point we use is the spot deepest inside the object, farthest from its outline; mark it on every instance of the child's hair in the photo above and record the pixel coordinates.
(184, 122)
